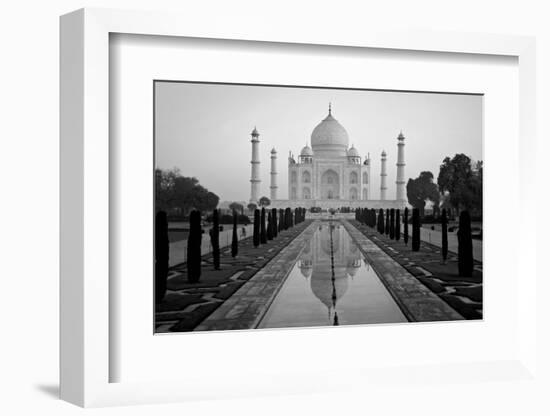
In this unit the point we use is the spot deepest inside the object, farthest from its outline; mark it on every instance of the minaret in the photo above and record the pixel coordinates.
(383, 175)
(255, 172)
(273, 187)
(400, 194)
(367, 185)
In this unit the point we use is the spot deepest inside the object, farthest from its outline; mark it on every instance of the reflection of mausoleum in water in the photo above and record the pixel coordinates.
(315, 263)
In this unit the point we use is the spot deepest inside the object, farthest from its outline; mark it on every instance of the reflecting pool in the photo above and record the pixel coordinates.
(331, 284)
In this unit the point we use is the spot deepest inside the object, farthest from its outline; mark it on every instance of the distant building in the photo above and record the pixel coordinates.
(330, 174)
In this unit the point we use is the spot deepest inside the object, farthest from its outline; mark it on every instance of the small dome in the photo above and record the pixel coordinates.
(401, 137)
(383, 153)
(255, 132)
(273, 151)
(306, 151)
(352, 152)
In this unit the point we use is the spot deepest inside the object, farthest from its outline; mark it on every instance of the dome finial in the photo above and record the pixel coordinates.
(329, 108)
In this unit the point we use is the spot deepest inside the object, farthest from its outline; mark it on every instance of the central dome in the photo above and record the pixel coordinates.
(330, 136)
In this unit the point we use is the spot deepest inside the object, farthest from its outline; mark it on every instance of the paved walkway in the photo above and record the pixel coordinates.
(464, 294)
(178, 249)
(186, 305)
(434, 237)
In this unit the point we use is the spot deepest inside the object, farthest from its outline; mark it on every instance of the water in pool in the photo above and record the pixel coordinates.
(331, 284)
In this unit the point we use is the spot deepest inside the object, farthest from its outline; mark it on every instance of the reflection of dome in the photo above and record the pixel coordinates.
(329, 136)
(306, 268)
(321, 284)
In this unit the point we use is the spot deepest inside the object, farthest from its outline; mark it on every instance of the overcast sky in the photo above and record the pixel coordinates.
(204, 130)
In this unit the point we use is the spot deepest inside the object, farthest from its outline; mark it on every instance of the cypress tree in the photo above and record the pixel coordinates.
(162, 249)
(392, 223)
(274, 222)
(381, 221)
(406, 226)
(256, 232)
(281, 220)
(215, 239)
(465, 248)
(387, 227)
(397, 225)
(235, 239)
(416, 229)
(194, 242)
(444, 236)
(269, 231)
(263, 235)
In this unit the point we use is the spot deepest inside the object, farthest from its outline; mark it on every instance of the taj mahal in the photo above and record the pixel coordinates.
(330, 174)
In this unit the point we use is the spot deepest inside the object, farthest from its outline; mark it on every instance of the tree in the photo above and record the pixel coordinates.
(235, 206)
(381, 221)
(465, 248)
(256, 232)
(281, 220)
(462, 181)
(174, 192)
(264, 201)
(397, 225)
(406, 226)
(235, 237)
(263, 234)
(252, 207)
(416, 229)
(387, 226)
(392, 223)
(274, 222)
(215, 239)
(422, 189)
(269, 231)
(444, 237)
(162, 249)
(194, 241)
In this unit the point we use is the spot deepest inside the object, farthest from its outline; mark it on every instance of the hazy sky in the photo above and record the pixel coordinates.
(204, 130)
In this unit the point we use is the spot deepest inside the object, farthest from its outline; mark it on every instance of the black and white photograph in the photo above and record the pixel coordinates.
(288, 206)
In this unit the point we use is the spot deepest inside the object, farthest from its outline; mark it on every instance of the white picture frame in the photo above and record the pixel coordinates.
(85, 211)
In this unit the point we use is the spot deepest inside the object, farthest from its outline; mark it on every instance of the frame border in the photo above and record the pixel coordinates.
(84, 183)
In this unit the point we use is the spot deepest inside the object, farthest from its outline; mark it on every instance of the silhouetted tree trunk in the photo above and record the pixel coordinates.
(235, 239)
(397, 225)
(162, 250)
(381, 221)
(465, 247)
(406, 226)
(274, 222)
(392, 223)
(263, 235)
(444, 236)
(256, 233)
(269, 231)
(194, 241)
(387, 228)
(416, 229)
(215, 239)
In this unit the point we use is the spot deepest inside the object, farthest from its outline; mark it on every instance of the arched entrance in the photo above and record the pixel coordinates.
(330, 185)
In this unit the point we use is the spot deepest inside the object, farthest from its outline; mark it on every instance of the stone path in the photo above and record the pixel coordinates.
(186, 305)
(417, 302)
(464, 294)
